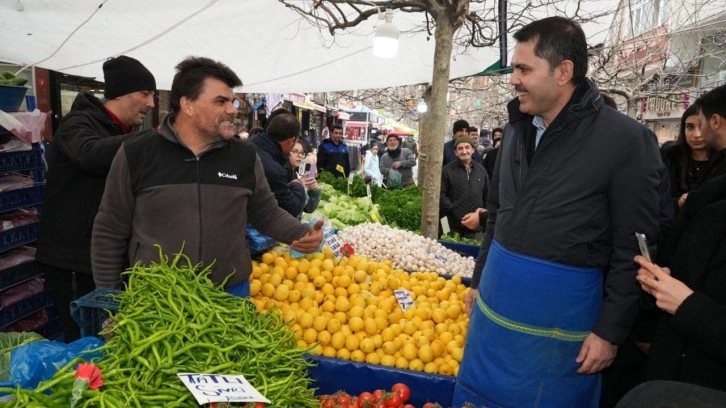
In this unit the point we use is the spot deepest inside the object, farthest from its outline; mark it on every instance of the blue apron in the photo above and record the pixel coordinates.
(530, 320)
(240, 290)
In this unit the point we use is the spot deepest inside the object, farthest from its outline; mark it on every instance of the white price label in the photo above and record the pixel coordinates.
(368, 192)
(350, 178)
(441, 258)
(445, 226)
(210, 388)
(404, 298)
(331, 239)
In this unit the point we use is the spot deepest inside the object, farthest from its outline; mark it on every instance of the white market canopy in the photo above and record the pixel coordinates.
(268, 45)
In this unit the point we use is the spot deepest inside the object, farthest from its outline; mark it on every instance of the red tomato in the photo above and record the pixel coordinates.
(392, 400)
(329, 403)
(343, 399)
(353, 403)
(408, 406)
(402, 390)
(431, 405)
(365, 399)
(379, 394)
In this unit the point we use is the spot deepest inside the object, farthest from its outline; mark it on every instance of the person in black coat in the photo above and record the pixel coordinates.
(687, 159)
(691, 292)
(83, 148)
(274, 146)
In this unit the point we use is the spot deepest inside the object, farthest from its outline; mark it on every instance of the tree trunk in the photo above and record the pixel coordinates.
(433, 128)
(633, 107)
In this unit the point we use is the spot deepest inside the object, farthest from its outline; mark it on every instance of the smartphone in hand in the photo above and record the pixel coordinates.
(643, 245)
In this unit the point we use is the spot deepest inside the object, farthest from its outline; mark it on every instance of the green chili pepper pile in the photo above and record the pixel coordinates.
(173, 319)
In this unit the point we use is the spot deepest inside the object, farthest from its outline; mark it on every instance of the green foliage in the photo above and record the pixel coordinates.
(401, 208)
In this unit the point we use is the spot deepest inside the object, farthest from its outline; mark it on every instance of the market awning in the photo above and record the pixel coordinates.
(495, 69)
(287, 54)
(342, 115)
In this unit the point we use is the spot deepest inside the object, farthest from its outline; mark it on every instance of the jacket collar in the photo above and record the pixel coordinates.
(267, 143)
(585, 99)
(167, 131)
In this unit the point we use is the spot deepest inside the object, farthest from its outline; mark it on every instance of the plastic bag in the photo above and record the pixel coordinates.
(8, 343)
(258, 242)
(35, 362)
(327, 227)
(394, 179)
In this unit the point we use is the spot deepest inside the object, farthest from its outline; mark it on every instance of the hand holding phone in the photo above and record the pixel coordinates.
(643, 245)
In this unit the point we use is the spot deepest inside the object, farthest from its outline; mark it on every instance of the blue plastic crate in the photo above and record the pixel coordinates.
(11, 97)
(91, 310)
(331, 375)
(20, 198)
(17, 274)
(22, 308)
(24, 161)
(17, 236)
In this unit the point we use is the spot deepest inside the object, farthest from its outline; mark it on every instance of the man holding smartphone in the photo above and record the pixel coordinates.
(573, 181)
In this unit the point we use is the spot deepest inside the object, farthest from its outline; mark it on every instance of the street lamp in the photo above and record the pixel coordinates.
(385, 42)
(421, 107)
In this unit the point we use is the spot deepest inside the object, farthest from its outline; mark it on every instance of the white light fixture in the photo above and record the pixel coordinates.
(385, 43)
(421, 107)
(19, 6)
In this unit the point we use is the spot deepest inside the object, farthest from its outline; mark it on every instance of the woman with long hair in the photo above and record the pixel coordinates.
(688, 158)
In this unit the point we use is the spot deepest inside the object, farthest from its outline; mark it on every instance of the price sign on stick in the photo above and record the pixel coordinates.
(445, 228)
(404, 298)
(331, 239)
(210, 388)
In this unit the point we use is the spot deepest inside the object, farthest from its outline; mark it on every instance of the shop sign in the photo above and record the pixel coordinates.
(295, 97)
(211, 388)
(655, 107)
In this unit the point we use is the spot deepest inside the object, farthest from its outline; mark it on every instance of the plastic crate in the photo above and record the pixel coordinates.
(17, 236)
(20, 198)
(463, 249)
(23, 161)
(331, 375)
(11, 97)
(23, 308)
(91, 310)
(18, 274)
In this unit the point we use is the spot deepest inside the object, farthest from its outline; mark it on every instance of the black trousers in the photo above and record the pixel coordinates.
(672, 394)
(65, 286)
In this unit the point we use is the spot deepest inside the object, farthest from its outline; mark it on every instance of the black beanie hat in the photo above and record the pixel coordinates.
(460, 124)
(393, 135)
(125, 75)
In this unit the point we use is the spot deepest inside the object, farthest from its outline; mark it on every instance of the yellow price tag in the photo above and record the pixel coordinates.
(374, 217)
(340, 168)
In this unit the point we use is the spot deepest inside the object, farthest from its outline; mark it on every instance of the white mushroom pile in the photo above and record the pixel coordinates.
(406, 250)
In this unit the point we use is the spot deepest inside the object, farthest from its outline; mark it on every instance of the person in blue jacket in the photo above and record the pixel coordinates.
(333, 154)
(573, 182)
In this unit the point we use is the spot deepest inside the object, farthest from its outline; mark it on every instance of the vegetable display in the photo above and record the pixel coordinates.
(400, 208)
(173, 319)
(405, 250)
(341, 209)
(346, 308)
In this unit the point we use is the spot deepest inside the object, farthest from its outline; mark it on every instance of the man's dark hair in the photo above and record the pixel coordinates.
(713, 102)
(473, 129)
(497, 129)
(273, 114)
(190, 76)
(283, 127)
(558, 39)
(339, 127)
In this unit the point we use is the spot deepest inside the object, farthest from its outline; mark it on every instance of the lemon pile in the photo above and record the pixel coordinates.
(345, 308)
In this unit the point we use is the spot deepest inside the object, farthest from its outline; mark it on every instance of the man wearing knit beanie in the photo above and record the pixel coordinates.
(79, 159)
(459, 128)
(464, 188)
